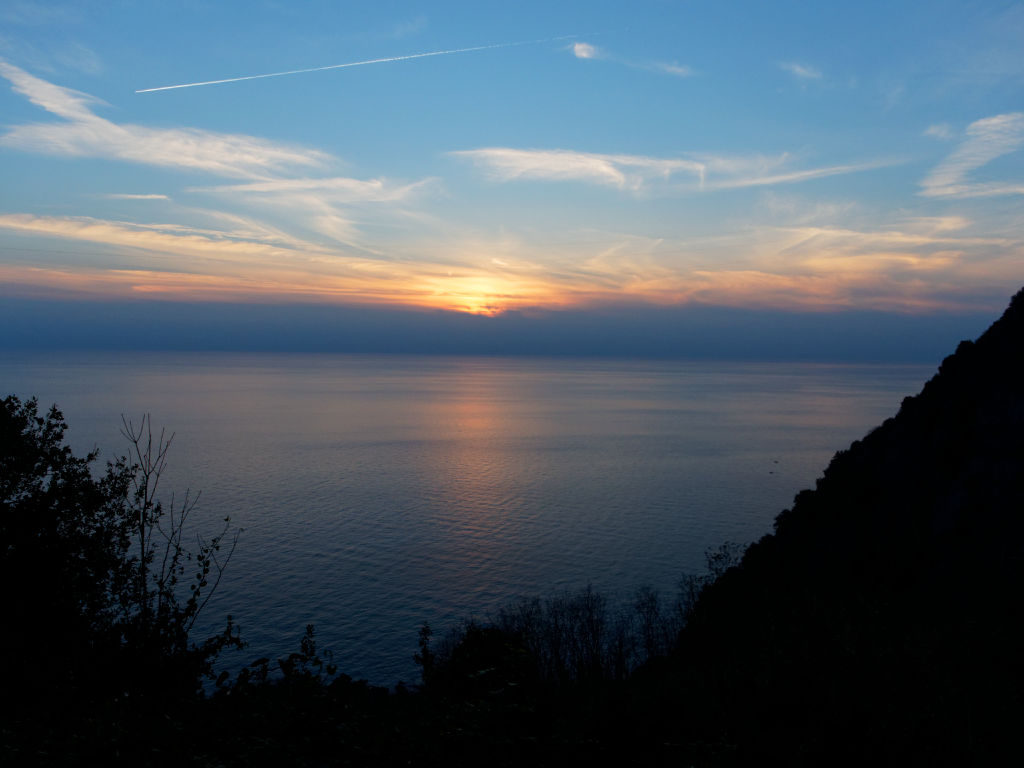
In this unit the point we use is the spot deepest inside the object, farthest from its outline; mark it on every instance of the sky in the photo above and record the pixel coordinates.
(577, 169)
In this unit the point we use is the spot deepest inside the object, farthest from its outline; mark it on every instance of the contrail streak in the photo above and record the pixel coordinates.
(356, 64)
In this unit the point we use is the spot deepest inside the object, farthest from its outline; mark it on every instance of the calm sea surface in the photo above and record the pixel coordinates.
(379, 492)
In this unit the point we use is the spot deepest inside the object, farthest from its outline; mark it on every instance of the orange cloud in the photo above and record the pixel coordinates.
(925, 265)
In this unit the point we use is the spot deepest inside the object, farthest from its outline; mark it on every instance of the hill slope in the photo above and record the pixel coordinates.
(883, 619)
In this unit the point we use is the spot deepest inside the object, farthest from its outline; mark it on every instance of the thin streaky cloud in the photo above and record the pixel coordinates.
(63, 102)
(909, 235)
(170, 239)
(385, 60)
(247, 228)
(79, 58)
(987, 189)
(315, 204)
(185, 262)
(587, 51)
(337, 187)
(795, 176)
(673, 68)
(637, 173)
(803, 71)
(205, 262)
(939, 131)
(86, 134)
(330, 207)
(631, 172)
(987, 139)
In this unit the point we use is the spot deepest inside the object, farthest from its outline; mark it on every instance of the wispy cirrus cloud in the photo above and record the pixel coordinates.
(296, 229)
(63, 102)
(917, 263)
(673, 68)
(78, 58)
(338, 188)
(312, 205)
(586, 51)
(636, 173)
(174, 239)
(630, 172)
(914, 264)
(939, 131)
(794, 176)
(917, 237)
(986, 140)
(801, 71)
(330, 207)
(174, 261)
(86, 134)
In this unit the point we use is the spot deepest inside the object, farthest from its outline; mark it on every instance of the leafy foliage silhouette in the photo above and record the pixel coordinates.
(100, 614)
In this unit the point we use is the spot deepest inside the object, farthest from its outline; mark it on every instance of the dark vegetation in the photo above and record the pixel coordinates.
(881, 622)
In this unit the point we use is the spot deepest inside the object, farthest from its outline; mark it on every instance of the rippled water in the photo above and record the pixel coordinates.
(379, 492)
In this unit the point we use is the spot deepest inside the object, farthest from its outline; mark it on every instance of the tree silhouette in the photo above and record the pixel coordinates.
(95, 569)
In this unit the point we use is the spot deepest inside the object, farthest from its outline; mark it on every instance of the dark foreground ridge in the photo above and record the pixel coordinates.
(883, 619)
(880, 623)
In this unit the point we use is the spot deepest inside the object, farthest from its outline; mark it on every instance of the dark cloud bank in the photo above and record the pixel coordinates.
(678, 332)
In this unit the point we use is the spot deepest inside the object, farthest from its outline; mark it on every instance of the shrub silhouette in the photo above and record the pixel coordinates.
(96, 572)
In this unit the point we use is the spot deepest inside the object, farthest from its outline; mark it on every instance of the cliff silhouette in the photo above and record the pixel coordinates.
(883, 617)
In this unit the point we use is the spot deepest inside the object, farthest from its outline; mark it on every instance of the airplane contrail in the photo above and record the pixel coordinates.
(356, 64)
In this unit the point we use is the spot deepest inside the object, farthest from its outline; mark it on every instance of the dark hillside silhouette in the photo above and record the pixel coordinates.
(880, 623)
(884, 616)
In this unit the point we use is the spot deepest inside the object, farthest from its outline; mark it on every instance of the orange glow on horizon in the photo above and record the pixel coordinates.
(803, 269)
(492, 296)
(486, 294)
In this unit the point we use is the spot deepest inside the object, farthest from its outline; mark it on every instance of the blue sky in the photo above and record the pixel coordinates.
(584, 158)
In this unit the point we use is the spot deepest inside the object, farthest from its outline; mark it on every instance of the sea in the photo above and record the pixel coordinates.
(376, 493)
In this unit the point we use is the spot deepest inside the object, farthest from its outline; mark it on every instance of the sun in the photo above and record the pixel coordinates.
(472, 295)
(479, 305)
